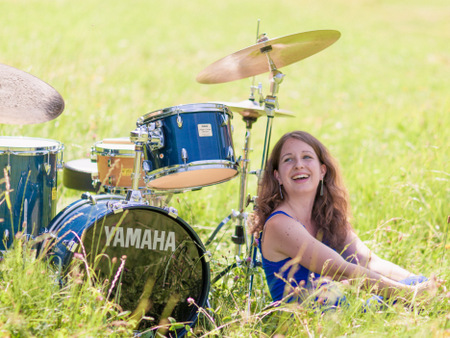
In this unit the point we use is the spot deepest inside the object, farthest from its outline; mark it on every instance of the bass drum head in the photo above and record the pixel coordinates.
(154, 262)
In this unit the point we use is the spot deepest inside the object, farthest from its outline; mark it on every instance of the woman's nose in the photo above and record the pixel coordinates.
(298, 164)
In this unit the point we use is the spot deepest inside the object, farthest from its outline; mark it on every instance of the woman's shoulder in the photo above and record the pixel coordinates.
(280, 221)
(276, 213)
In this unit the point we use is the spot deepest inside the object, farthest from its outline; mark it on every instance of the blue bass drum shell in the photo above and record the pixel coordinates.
(164, 259)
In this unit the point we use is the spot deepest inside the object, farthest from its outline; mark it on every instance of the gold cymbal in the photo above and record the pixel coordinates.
(250, 108)
(25, 99)
(253, 61)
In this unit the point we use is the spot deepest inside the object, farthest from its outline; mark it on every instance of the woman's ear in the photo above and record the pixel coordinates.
(323, 170)
(277, 176)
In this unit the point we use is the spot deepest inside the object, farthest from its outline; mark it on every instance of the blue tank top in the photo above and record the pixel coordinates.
(280, 287)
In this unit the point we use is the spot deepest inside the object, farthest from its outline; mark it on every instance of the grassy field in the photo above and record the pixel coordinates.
(378, 98)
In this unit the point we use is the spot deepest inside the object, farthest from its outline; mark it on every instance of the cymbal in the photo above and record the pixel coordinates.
(25, 99)
(249, 108)
(253, 61)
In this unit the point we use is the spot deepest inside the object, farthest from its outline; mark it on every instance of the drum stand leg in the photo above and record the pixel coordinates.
(270, 104)
(240, 236)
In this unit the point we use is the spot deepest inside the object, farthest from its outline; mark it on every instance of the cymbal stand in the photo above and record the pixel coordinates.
(240, 236)
(270, 104)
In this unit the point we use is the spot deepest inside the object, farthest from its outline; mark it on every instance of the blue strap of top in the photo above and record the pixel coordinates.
(278, 286)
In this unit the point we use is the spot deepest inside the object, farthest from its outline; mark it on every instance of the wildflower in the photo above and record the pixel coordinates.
(190, 300)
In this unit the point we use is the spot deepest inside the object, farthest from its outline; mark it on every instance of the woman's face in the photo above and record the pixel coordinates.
(299, 168)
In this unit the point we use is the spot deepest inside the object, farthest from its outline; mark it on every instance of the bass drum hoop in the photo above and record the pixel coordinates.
(57, 224)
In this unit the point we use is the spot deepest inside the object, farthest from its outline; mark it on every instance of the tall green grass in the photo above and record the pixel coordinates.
(378, 98)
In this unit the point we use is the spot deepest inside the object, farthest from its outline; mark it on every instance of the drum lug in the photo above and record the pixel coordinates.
(230, 153)
(147, 166)
(179, 121)
(224, 120)
(60, 161)
(47, 168)
(179, 118)
(184, 156)
(70, 245)
(88, 196)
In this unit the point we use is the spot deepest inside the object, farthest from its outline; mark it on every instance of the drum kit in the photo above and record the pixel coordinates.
(123, 224)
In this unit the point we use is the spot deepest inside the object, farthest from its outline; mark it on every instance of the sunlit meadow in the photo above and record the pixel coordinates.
(378, 98)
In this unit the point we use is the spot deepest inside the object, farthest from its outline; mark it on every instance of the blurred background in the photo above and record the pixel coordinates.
(378, 97)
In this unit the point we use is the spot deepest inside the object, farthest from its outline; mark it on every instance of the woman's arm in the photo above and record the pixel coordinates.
(357, 252)
(284, 237)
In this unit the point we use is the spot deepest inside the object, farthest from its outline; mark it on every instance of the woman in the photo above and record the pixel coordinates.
(301, 219)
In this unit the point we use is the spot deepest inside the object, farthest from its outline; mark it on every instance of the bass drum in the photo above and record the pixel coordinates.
(164, 268)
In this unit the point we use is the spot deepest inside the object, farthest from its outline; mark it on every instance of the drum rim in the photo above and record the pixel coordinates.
(115, 153)
(206, 274)
(55, 147)
(99, 151)
(207, 107)
(192, 166)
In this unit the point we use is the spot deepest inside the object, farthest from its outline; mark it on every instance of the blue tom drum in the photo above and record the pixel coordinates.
(189, 146)
(28, 167)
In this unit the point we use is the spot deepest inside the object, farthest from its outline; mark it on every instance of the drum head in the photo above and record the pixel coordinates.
(19, 144)
(120, 146)
(154, 262)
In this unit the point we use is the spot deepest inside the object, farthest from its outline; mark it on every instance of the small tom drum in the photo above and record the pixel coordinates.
(189, 146)
(115, 162)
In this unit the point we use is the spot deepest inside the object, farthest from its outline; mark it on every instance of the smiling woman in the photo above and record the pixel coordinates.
(306, 238)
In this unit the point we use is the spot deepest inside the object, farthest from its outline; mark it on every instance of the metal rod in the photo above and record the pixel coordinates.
(136, 174)
(266, 143)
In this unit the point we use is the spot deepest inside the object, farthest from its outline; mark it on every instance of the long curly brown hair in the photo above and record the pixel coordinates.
(330, 211)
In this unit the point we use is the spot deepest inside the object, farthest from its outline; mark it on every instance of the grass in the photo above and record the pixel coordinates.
(378, 98)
